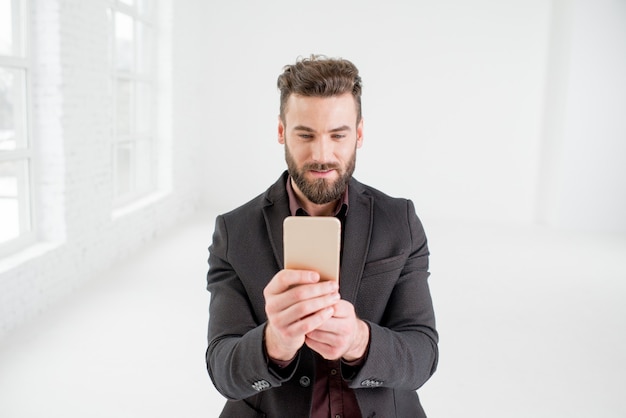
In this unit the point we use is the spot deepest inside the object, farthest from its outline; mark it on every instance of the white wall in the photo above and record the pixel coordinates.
(452, 97)
(71, 127)
(459, 102)
(583, 173)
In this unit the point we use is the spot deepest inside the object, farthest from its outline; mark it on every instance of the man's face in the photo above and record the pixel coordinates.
(321, 136)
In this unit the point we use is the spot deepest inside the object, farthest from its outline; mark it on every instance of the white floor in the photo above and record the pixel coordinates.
(532, 324)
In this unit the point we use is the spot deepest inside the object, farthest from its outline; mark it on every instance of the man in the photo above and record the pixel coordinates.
(283, 343)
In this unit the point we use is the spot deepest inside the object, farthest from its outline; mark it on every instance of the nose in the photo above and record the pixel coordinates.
(322, 150)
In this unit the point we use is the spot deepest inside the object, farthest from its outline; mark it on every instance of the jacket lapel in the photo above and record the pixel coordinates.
(358, 228)
(275, 210)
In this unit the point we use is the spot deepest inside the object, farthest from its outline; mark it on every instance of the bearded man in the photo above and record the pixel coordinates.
(283, 343)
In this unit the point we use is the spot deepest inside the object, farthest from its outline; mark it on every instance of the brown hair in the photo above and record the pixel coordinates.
(319, 76)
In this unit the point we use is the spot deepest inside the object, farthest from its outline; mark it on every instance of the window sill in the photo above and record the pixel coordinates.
(25, 255)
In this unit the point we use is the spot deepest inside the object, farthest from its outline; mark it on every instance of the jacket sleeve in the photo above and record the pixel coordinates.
(236, 360)
(403, 351)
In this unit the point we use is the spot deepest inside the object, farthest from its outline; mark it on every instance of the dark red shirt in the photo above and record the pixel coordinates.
(332, 398)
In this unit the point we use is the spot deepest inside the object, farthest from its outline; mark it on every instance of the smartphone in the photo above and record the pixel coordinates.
(313, 243)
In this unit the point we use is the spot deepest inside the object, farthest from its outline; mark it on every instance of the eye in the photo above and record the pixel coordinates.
(338, 136)
(305, 137)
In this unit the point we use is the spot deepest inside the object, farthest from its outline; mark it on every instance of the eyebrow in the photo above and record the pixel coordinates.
(307, 129)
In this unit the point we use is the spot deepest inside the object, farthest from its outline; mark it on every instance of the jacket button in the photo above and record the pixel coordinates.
(372, 383)
(260, 385)
(305, 381)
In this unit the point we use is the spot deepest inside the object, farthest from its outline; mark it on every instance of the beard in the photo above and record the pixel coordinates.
(320, 191)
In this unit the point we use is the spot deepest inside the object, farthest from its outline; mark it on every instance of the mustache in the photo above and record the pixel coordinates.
(320, 166)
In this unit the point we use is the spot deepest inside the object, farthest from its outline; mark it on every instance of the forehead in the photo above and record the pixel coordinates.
(310, 110)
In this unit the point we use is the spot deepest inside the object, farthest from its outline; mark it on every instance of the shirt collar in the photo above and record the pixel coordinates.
(296, 209)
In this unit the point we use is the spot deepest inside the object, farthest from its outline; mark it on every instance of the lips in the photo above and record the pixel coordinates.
(321, 173)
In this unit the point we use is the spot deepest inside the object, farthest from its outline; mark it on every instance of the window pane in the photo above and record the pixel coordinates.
(146, 8)
(124, 42)
(134, 80)
(123, 166)
(14, 205)
(12, 109)
(9, 28)
(144, 165)
(144, 108)
(124, 103)
(110, 36)
(145, 49)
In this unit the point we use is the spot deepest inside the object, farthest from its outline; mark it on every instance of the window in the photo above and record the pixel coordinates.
(135, 147)
(15, 145)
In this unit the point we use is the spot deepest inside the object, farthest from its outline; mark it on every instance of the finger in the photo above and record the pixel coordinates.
(321, 335)
(331, 341)
(344, 309)
(328, 351)
(311, 322)
(321, 295)
(285, 279)
(330, 330)
(303, 309)
(284, 317)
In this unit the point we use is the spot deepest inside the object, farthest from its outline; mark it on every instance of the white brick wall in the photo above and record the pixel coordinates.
(71, 128)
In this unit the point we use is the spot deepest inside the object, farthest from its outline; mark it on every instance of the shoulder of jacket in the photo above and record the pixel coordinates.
(379, 196)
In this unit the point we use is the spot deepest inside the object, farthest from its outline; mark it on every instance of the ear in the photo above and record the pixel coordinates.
(359, 134)
(281, 131)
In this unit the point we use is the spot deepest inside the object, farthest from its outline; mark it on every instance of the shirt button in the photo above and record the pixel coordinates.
(305, 381)
(333, 372)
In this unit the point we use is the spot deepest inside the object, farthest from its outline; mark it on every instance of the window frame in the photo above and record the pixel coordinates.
(21, 59)
(136, 79)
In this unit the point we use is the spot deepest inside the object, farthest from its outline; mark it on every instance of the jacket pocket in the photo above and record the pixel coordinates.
(384, 265)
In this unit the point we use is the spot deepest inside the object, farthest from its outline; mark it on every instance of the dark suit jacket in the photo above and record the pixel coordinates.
(384, 274)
